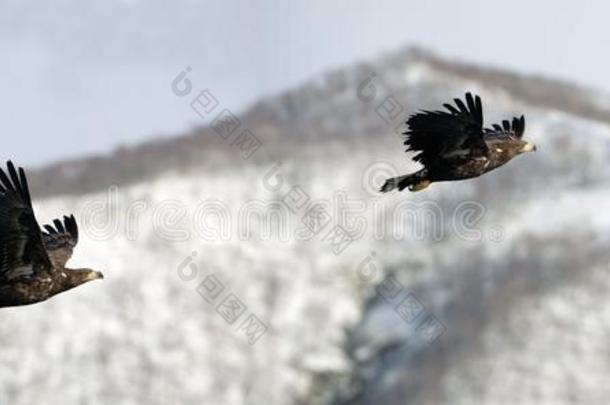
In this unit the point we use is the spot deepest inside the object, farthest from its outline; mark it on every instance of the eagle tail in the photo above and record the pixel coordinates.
(414, 182)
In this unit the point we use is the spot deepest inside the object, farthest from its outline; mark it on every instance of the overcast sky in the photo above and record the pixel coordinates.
(80, 77)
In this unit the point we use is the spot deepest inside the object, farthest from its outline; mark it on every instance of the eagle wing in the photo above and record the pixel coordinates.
(60, 240)
(514, 129)
(437, 136)
(22, 252)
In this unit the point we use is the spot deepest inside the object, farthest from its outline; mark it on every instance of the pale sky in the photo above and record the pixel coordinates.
(80, 77)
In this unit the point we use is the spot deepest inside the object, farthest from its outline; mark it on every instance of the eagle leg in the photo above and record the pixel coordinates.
(420, 185)
(414, 182)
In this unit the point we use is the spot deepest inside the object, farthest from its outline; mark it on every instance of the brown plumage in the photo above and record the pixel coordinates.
(453, 145)
(32, 262)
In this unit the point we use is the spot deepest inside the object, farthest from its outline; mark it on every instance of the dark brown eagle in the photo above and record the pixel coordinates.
(453, 145)
(32, 262)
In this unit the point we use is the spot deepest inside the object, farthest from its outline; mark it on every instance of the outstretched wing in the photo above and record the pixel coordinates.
(442, 135)
(22, 253)
(514, 129)
(60, 240)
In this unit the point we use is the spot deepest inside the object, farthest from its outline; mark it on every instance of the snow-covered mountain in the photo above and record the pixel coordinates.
(486, 291)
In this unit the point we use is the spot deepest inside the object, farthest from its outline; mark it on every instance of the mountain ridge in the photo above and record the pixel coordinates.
(319, 110)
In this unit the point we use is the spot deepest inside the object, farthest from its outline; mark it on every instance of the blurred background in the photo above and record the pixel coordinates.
(223, 160)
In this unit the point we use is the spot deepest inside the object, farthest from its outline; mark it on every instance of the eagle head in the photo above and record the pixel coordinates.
(76, 277)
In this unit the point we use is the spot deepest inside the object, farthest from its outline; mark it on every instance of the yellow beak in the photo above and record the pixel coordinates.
(528, 147)
(94, 275)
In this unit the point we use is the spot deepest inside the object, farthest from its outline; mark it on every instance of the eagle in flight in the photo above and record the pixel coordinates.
(32, 262)
(453, 145)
